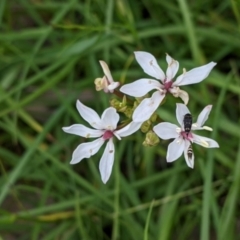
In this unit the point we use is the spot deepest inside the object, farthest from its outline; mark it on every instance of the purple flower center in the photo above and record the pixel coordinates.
(187, 136)
(107, 135)
(167, 85)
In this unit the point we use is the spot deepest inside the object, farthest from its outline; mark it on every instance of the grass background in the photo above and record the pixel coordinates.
(49, 53)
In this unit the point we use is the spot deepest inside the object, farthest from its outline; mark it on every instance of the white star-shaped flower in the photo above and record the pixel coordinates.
(106, 82)
(166, 84)
(105, 128)
(184, 138)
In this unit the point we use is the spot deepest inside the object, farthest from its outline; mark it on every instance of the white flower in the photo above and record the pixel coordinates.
(166, 84)
(106, 82)
(105, 129)
(183, 138)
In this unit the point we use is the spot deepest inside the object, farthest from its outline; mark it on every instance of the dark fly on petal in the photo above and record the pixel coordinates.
(187, 122)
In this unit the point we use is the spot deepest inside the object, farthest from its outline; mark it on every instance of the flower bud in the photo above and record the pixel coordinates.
(115, 103)
(100, 83)
(151, 139)
(145, 126)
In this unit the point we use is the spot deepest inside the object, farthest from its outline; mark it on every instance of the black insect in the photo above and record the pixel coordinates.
(187, 122)
(190, 152)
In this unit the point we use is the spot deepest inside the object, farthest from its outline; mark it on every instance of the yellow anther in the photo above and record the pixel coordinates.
(99, 84)
(207, 128)
(195, 125)
(204, 143)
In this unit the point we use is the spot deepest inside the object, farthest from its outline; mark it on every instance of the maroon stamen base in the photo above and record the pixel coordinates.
(107, 135)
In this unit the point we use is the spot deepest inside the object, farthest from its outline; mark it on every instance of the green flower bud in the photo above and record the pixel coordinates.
(151, 139)
(115, 103)
(128, 112)
(145, 126)
(153, 118)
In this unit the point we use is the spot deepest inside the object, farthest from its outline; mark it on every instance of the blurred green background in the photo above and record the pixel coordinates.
(49, 53)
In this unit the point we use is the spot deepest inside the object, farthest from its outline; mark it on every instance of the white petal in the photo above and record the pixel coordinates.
(172, 68)
(147, 107)
(203, 116)
(86, 150)
(140, 87)
(89, 115)
(110, 118)
(181, 111)
(196, 75)
(81, 130)
(113, 85)
(189, 160)
(166, 130)
(106, 71)
(149, 64)
(129, 129)
(106, 161)
(204, 141)
(175, 149)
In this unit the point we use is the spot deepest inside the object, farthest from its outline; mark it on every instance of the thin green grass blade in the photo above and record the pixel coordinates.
(206, 210)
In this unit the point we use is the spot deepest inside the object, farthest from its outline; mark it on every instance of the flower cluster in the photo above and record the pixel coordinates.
(141, 114)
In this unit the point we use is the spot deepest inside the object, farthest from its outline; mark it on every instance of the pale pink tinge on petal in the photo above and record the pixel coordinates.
(140, 87)
(188, 154)
(147, 107)
(109, 119)
(166, 130)
(89, 115)
(149, 64)
(181, 111)
(175, 149)
(195, 75)
(106, 161)
(86, 150)
(106, 71)
(81, 130)
(172, 69)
